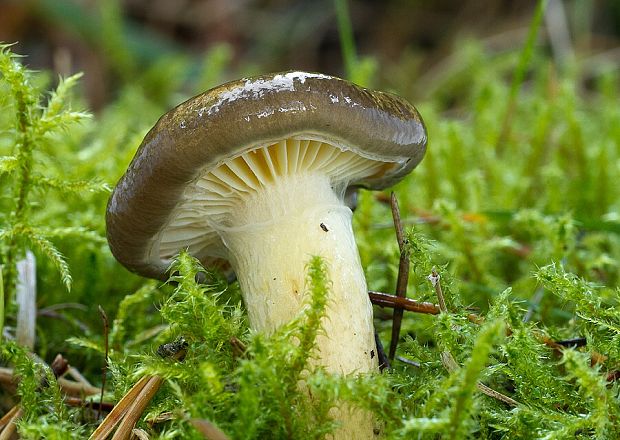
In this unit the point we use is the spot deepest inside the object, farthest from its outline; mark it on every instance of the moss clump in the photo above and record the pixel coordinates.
(516, 205)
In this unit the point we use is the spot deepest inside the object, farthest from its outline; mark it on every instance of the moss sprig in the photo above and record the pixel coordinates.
(35, 124)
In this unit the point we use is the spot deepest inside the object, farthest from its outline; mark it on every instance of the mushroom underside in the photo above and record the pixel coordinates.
(211, 200)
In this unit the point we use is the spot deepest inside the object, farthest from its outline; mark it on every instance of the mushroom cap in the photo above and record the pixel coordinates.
(240, 116)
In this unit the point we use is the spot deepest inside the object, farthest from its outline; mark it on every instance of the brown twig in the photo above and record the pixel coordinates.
(388, 300)
(137, 407)
(73, 388)
(59, 367)
(8, 417)
(69, 387)
(104, 369)
(8, 426)
(208, 429)
(403, 276)
(128, 410)
(75, 374)
(118, 412)
(398, 226)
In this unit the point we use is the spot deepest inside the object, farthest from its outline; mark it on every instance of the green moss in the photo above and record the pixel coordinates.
(516, 206)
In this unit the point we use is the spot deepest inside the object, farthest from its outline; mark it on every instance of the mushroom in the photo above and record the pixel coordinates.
(254, 173)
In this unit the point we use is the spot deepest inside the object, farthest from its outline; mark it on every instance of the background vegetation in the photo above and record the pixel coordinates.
(517, 204)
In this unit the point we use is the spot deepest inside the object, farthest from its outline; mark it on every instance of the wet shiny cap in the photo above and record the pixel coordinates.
(231, 140)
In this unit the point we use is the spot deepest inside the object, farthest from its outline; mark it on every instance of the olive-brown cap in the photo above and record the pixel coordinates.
(226, 121)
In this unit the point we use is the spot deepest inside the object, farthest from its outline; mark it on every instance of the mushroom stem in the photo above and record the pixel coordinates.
(292, 220)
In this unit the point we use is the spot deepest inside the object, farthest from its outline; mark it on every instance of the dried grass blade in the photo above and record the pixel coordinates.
(119, 410)
(137, 408)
